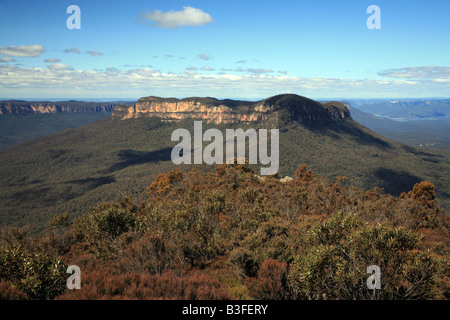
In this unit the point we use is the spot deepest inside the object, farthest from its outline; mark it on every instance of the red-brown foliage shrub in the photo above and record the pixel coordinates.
(103, 284)
(153, 254)
(271, 282)
(425, 208)
(10, 292)
(302, 174)
(164, 184)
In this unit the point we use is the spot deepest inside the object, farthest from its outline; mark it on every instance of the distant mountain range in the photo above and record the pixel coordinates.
(406, 109)
(421, 133)
(23, 120)
(25, 107)
(121, 154)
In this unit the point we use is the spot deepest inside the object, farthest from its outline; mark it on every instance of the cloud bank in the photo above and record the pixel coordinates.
(59, 80)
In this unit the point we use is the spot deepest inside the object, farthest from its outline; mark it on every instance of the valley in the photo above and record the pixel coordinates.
(121, 155)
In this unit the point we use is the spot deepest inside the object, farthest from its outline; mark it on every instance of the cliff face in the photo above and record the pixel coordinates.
(24, 107)
(286, 107)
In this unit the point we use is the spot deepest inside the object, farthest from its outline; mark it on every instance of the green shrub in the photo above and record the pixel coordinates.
(342, 249)
(103, 226)
(38, 275)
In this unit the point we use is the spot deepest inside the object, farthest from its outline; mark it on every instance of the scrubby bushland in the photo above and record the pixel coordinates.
(341, 250)
(34, 275)
(234, 234)
(271, 282)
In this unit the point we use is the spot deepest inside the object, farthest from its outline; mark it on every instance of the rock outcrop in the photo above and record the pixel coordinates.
(287, 107)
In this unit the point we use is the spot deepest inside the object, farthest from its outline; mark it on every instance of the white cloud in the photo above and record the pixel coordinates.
(189, 16)
(254, 71)
(259, 70)
(189, 73)
(72, 50)
(59, 66)
(441, 80)
(94, 53)
(22, 51)
(7, 59)
(52, 60)
(204, 56)
(207, 68)
(428, 72)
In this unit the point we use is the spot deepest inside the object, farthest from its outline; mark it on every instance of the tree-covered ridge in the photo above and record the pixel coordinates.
(76, 169)
(232, 234)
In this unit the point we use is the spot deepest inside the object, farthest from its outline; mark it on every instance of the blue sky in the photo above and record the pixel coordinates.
(224, 48)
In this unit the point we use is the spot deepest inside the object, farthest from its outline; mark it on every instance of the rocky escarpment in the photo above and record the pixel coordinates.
(24, 107)
(287, 107)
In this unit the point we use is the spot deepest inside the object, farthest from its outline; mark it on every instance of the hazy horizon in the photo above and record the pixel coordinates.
(219, 98)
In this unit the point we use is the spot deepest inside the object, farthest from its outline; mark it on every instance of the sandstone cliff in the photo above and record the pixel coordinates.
(24, 107)
(287, 107)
